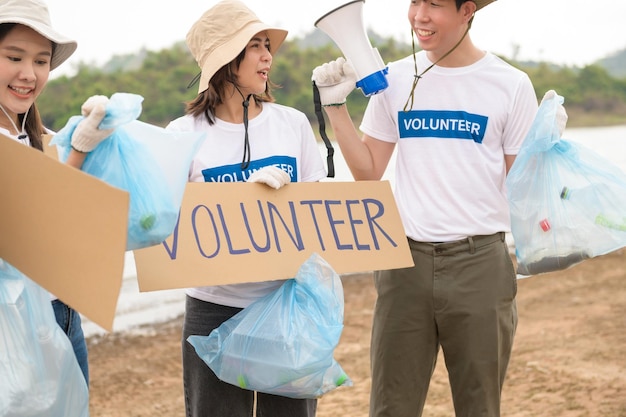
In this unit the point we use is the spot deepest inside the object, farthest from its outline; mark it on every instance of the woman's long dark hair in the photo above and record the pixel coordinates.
(206, 101)
(34, 126)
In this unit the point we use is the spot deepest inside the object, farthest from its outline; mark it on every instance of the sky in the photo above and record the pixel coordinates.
(565, 32)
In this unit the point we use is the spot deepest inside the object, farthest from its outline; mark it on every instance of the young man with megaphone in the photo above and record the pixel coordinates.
(458, 116)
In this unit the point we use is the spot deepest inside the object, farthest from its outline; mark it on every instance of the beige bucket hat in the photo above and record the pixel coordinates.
(482, 3)
(35, 15)
(222, 33)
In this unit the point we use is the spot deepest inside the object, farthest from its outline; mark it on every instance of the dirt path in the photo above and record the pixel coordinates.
(568, 361)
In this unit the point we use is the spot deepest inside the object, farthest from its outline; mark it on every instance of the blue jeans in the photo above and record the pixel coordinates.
(69, 320)
(206, 395)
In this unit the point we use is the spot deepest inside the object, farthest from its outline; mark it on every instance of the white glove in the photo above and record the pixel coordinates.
(87, 136)
(335, 80)
(270, 175)
(561, 114)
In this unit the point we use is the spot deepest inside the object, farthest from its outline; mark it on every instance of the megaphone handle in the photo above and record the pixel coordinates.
(322, 128)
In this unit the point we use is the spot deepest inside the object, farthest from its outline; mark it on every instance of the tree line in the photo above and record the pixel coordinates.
(162, 78)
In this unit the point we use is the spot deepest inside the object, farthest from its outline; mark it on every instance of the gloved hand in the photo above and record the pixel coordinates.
(561, 114)
(87, 136)
(335, 80)
(270, 175)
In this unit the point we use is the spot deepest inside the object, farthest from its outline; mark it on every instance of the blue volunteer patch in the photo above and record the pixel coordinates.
(446, 124)
(234, 173)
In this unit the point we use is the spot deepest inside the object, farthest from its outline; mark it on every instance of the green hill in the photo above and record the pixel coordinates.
(615, 64)
(594, 95)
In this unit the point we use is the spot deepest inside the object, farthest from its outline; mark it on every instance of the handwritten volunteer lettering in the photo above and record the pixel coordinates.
(269, 227)
(442, 124)
(242, 232)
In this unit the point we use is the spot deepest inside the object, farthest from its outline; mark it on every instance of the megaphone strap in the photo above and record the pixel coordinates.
(322, 129)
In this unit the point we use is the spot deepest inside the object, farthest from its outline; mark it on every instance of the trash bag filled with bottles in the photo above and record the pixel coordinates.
(283, 343)
(567, 202)
(39, 373)
(145, 160)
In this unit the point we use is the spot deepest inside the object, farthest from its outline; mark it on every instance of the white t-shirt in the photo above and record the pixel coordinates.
(280, 136)
(450, 168)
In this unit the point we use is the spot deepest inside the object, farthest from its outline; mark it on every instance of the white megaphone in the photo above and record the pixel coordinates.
(344, 25)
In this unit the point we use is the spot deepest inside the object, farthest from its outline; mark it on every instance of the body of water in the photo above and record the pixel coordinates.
(136, 309)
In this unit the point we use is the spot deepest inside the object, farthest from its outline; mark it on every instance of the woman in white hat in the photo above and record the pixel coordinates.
(249, 138)
(29, 49)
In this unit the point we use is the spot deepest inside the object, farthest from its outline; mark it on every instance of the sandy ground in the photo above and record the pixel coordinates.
(568, 361)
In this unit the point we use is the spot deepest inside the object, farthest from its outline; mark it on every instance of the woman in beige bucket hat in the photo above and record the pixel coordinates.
(29, 49)
(249, 138)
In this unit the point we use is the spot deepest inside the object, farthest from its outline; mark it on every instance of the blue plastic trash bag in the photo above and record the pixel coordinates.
(39, 373)
(283, 343)
(149, 162)
(567, 203)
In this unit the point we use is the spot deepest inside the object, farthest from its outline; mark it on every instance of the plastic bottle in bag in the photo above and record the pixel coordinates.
(603, 215)
(555, 242)
(548, 259)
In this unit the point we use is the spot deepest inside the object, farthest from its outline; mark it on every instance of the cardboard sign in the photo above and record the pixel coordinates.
(64, 229)
(245, 232)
